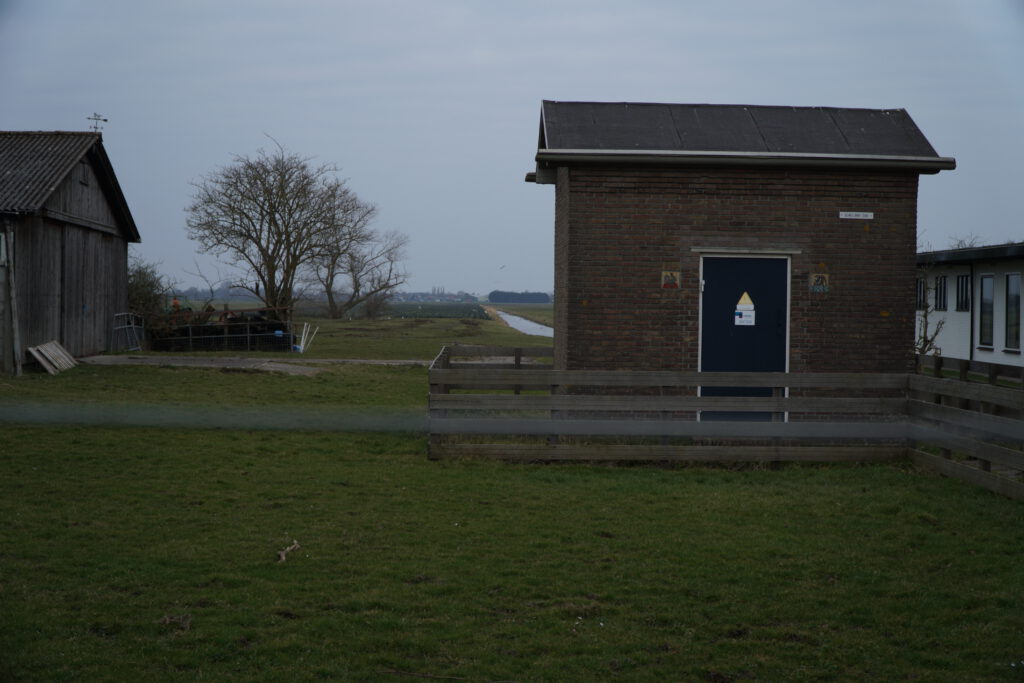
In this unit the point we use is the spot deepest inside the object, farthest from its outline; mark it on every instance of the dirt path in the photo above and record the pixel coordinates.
(289, 366)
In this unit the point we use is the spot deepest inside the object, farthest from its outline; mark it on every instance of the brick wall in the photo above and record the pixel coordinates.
(618, 228)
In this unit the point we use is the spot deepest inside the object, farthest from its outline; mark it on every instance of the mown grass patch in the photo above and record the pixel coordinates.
(140, 552)
(410, 338)
(436, 309)
(389, 339)
(348, 385)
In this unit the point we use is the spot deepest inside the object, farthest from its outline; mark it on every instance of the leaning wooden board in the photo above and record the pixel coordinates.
(53, 357)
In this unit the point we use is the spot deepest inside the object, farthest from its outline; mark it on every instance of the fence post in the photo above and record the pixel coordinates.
(991, 408)
(937, 362)
(963, 368)
(517, 363)
(441, 362)
(553, 439)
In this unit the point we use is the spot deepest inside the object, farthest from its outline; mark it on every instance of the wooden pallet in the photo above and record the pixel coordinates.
(53, 357)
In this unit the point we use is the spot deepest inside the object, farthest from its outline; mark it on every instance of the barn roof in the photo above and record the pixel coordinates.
(33, 164)
(733, 135)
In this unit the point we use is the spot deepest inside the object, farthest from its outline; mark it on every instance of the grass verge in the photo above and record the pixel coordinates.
(130, 552)
(142, 552)
(410, 338)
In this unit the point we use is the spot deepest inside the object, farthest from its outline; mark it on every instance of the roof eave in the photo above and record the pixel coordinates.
(918, 164)
(996, 252)
(114, 193)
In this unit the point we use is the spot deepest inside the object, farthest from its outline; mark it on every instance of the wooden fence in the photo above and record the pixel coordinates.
(511, 404)
(969, 422)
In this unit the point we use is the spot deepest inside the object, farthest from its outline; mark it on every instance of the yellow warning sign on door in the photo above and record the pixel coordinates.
(744, 310)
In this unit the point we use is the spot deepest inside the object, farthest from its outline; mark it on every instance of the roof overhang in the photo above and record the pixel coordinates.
(552, 158)
(996, 252)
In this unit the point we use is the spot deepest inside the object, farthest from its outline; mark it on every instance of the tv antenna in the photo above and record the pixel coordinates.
(96, 120)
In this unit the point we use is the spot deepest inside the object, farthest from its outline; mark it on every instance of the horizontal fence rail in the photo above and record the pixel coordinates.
(974, 416)
(510, 404)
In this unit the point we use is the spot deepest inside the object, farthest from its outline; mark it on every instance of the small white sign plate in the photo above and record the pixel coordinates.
(744, 318)
(858, 215)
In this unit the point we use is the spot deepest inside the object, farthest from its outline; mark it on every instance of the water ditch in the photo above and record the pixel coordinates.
(526, 326)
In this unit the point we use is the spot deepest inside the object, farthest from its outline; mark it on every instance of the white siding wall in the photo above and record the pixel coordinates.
(954, 340)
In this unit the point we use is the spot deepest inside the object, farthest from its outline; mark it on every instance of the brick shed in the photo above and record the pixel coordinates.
(733, 238)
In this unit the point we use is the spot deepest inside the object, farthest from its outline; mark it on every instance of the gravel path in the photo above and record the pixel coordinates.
(290, 366)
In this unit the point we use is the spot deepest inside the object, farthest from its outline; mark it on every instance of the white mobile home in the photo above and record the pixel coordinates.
(975, 294)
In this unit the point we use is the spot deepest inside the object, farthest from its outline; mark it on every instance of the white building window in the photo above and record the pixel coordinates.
(986, 319)
(963, 292)
(940, 292)
(1013, 311)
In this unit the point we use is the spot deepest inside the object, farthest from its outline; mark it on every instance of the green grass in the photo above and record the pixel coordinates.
(393, 339)
(131, 552)
(415, 338)
(134, 553)
(132, 385)
(433, 309)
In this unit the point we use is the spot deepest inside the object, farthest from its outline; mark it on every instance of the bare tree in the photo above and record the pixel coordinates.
(361, 266)
(964, 241)
(929, 322)
(269, 215)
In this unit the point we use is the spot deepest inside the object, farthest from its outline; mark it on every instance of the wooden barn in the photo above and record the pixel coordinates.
(733, 238)
(64, 234)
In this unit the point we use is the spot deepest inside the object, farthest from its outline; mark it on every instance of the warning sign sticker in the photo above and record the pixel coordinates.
(744, 311)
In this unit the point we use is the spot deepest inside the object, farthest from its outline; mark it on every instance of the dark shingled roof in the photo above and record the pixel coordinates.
(737, 134)
(33, 165)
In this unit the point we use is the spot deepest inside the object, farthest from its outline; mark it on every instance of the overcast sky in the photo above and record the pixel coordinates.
(431, 108)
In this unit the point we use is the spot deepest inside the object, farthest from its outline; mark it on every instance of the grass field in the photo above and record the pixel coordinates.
(397, 339)
(131, 552)
(409, 338)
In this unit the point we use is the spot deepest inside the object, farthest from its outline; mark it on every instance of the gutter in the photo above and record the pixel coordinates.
(925, 164)
(973, 254)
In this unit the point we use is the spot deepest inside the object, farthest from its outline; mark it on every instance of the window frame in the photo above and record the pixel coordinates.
(986, 328)
(964, 288)
(1012, 313)
(941, 300)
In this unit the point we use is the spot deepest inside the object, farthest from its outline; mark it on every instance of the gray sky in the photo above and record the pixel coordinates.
(431, 108)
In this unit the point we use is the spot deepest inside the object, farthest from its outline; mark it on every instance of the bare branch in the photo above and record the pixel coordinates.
(269, 216)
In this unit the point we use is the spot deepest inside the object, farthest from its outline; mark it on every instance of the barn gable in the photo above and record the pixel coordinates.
(65, 228)
(63, 175)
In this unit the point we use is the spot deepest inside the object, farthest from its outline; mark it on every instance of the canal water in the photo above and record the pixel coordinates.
(526, 326)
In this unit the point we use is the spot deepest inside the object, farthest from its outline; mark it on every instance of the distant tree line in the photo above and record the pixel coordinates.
(500, 297)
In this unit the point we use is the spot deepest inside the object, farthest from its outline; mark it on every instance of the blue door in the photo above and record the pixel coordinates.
(744, 320)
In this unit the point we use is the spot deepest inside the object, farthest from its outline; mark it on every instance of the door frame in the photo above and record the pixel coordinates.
(733, 254)
(736, 254)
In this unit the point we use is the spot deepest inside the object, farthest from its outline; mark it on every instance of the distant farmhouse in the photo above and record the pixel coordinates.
(64, 234)
(733, 238)
(972, 297)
